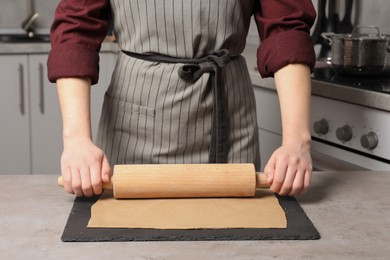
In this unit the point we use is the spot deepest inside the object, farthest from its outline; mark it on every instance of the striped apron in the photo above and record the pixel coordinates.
(153, 115)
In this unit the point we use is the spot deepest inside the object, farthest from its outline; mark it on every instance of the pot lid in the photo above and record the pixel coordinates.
(374, 34)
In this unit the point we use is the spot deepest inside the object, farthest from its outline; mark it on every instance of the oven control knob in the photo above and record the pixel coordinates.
(369, 141)
(321, 127)
(344, 134)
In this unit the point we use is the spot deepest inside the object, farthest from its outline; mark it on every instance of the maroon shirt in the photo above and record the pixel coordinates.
(80, 27)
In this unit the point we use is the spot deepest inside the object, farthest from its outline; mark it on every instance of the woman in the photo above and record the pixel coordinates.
(181, 92)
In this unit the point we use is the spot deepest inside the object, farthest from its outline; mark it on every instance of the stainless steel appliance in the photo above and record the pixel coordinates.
(350, 114)
(360, 53)
(350, 121)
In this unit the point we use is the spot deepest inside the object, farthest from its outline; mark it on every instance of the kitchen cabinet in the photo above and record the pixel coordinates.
(31, 131)
(14, 114)
(45, 119)
(269, 122)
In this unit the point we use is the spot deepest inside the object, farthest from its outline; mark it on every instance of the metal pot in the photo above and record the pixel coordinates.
(360, 53)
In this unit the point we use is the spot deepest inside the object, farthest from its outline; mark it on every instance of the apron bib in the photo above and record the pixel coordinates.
(152, 115)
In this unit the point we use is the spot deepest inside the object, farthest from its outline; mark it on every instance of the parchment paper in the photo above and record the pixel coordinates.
(262, 211)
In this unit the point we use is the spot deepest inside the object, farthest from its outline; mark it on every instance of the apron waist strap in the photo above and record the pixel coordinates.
(192, 70)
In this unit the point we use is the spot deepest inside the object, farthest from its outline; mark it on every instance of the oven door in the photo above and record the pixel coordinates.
(327, 157)
(327, 153)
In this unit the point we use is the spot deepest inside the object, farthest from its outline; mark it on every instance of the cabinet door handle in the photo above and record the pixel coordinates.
(21, 89)
(41, 89)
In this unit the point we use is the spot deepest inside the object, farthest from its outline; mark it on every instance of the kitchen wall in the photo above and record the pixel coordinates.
(376, 13)
(13, 12)
(364, 13)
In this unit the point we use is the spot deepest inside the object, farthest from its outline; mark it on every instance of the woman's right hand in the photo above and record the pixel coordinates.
(84, 167)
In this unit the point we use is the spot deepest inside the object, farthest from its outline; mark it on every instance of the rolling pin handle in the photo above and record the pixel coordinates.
(105, 185)
(261, 180)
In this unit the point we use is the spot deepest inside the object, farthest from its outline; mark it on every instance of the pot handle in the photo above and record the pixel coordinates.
(328, 36)
(356, 27)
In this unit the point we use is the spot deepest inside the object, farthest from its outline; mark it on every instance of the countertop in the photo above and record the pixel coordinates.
(351, 210)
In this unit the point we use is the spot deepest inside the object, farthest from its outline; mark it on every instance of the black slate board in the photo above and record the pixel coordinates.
(299, 227)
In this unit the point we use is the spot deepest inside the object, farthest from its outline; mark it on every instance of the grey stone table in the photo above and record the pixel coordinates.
(351, 210)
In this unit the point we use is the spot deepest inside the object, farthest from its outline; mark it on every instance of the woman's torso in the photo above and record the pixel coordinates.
(150, 114)
(185, 28)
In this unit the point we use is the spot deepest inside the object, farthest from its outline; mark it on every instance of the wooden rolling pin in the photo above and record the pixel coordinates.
(184, 180)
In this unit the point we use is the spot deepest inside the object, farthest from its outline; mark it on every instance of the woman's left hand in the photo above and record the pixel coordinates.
(289, 170)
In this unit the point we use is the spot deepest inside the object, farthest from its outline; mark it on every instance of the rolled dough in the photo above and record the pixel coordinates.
(261, 211)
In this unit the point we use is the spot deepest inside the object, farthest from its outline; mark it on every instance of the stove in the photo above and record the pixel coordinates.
(350, 130)
(379, 84)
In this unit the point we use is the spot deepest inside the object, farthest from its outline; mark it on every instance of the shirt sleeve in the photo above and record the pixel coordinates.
(284, 29)
(76, 35)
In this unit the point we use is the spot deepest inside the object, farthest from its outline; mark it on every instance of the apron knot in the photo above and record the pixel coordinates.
(221, 57)
(208, 64)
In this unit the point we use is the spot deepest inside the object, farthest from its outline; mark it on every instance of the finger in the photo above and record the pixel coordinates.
(269, 170)
(288, 181)
(76, 182)
(96, 180)
(86, 182)
(67, 179)
(298, 184)
(106, 170)
(306, 182)
(279, 176)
